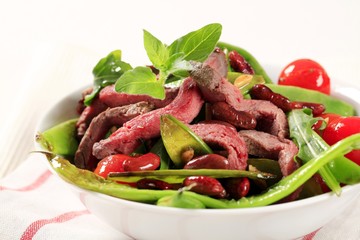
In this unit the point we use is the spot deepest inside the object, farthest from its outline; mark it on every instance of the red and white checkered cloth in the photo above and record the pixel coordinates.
(34, 204)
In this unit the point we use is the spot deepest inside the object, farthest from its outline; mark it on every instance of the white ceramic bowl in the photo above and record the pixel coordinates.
(143, 221)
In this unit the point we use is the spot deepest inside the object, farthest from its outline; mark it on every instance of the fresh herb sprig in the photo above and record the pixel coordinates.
(169, 60)
(106, 72)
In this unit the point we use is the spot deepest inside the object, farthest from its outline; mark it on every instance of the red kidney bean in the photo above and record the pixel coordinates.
(316, 108)
(224, 112)
(237, 187)
(239, 64)
(260, 91)
(205, 185)
(153, 184)
(208, 161)
(148, 161)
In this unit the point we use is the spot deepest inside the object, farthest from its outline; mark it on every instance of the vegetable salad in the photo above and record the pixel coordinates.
(181, 165)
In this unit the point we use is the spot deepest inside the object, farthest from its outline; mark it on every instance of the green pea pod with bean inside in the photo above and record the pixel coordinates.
(259, 70)
(177, 137)
(60, 139)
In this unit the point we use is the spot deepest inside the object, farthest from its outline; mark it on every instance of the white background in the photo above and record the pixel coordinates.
(48, 48)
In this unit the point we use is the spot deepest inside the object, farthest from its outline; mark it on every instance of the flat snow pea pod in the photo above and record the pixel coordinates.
(332, 104)
(259, 70)
(60, 139)
(177, 137)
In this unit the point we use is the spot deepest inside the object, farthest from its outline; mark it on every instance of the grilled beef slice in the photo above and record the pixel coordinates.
(87, 115)
(100, 125)
(126, 139)
(211, 78)
(262, 144)
(108, 97)
(221, 135)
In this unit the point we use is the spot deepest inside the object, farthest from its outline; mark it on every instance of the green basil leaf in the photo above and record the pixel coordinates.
(156, 50)
(140, 80)
(106, 72)
(197, 45)
(111, 66)
(171, 61)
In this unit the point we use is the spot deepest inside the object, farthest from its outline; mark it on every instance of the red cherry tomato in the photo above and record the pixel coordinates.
(148, 161)
(305, 73)
(341, 128)
(321, 182)
(112, 163)
(328, 117)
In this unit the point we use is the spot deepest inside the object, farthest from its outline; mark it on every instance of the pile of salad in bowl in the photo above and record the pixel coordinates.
(204, 126)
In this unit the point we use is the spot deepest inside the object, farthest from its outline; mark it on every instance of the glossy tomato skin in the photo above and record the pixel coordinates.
(112, 163)
(305, 73)
(328, 118)
(341, 128)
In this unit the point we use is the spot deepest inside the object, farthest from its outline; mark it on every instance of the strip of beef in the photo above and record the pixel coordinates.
(81, 106)
(111, 98)
(262, 144)
(211, 78)
(100, 125)
(239, 119)
(87, 115)
(126, 139)
(221, 135)
(108, 97)
(269, 117)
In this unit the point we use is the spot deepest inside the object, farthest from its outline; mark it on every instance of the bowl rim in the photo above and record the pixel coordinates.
(336, 90)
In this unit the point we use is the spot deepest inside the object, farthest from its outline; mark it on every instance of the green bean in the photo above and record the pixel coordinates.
(88, 180)
(178, 175)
